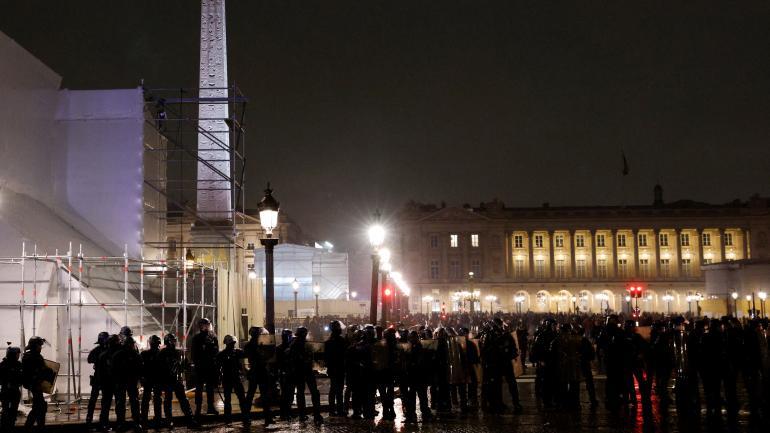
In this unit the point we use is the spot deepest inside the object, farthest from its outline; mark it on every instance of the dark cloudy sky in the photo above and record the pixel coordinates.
(356, 105)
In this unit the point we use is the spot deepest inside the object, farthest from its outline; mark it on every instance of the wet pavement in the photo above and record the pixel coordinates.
(533, 419)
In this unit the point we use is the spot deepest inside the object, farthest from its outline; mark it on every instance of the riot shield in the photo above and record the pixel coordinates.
(266, 347)
(380, 356)
(315, 351)
(49, 383)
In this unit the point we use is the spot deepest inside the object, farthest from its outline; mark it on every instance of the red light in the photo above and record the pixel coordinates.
(387, 292)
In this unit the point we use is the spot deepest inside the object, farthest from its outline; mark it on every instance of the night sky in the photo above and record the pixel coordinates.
(357, 105)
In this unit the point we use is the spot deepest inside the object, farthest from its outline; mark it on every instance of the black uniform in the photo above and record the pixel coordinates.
(152, 383)
(300, 370)
(106, 375)
(204, 349)
(10, 389)
(34, 373)
(127, 369)
(230, 361)
(416, 379)
(259, 377)
(334, 354)
(93, 358)
(170, 361)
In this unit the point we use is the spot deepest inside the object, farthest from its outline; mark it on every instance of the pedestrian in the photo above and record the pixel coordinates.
(259, 377)
(151, 382)
(230, 363)
(10, 388)
(203, 350)
(171, 381)
(34, 373)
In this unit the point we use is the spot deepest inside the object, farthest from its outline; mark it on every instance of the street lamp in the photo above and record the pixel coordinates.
(628, 303)
(295, 287)
(316, 292)
(734, 295)
(353, 295)
(762, 297)
(491, 299)
(574, 304)
(376, 238)
(268, 218)
(427, 299)
(748, 303)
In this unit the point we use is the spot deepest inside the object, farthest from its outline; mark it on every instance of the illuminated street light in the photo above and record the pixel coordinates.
(734, 295)
(668, 298)
(353, 295)
(376, 238)
(427, 299)
(316, 291)
(491, 299)
(268, 217)
(762, 297)
(295, 288)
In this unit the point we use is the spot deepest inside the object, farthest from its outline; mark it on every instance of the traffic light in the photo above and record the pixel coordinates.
(387, 292)
(636, 291)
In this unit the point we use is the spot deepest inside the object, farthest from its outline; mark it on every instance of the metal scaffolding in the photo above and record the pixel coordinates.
(168, 296)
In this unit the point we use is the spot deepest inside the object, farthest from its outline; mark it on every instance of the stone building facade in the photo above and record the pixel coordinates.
(566, 258)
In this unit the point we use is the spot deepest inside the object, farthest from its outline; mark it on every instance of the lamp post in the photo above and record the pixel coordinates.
(316, 292)
(427, 299)
(748, 304)
(268, 218)
(628, 303)
(574, 304)
(295, 288)
(376, 238)
(491, 299)
(734, 295)
(762, 297)
(689, 303)
(470, 289)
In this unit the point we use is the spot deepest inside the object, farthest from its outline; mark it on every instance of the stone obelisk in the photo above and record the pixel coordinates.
(214, 188)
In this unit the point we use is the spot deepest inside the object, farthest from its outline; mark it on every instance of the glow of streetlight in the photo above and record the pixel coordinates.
(427, 298)
(762, 295)
(734, 295)
(295, 285)
(748, 297)
(491, 298)
(376, 235)
(668, 298)
(628, 298)
(353, 295)
(384, 255)
(316, 288)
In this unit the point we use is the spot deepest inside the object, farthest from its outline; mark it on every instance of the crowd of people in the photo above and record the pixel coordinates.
(443, 364)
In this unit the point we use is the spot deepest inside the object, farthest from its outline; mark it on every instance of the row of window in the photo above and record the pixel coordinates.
(455, 269)
(454, 241)
(558, 239)
(581, 269)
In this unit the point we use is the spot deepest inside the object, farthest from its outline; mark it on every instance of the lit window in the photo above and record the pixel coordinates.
(434, 269)
(561, 271)
(559, 241)
(475, 240)
(663, 239)
(518, 268)
(642, 239)
(665, 268)
(599, 240)
(580, 241)
(684, 239)
(706, 239)
(622, 268)
(728, 239)
(621, 240)
(538, 241)
(707, 261)
(518, 241)
(540, 269)
(453, 241)
(686, 268)
(434, 241)
(601, 268)
(580, 268)
(644, 268)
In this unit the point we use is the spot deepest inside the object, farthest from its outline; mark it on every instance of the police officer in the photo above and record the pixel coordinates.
(542, 356)
(10, 387)
(354, 393)
(151, 381)
(93, 358)
(300, 363)
(230, 362)
(522, 336)
(334, 354)
(107, 380)
(613, 347)
(509, 352)
(170, 378)
(259, 377)
(566, 348)
(127, 371)
(284, 374)
(387, 375)
(204, 349)
(366, 386)
(661, 360)
(469, 391)
(587, 356)
(416, 380)
(441, 373)
(34, 373)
